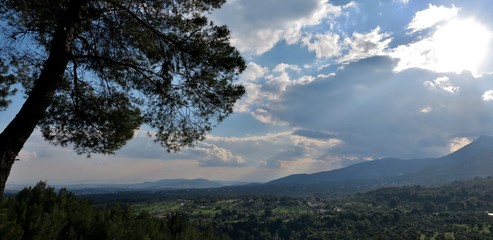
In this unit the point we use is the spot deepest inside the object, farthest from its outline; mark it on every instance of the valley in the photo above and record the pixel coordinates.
(437, 198)
(453, 211)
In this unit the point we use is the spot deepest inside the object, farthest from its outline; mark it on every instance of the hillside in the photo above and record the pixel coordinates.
(473, 160)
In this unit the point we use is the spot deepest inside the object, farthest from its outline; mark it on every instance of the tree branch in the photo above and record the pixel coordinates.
(148, 26)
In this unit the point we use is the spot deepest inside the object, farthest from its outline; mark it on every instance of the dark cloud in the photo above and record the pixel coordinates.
(258, 13)
(291, 153)
(381, 113)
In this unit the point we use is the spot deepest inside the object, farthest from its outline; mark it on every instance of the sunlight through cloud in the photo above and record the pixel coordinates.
(461, 45)
(442, 83)
(488, 96)
(458, 45)
(458, 143)
(429, 17)
(427, 109)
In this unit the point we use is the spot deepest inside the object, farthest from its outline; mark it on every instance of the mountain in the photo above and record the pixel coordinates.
(473, 160)
(165, 184)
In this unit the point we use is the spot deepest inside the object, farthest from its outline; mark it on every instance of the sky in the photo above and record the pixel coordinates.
(329, 84)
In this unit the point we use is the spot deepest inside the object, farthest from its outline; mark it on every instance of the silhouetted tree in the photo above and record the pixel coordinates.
(94, 71)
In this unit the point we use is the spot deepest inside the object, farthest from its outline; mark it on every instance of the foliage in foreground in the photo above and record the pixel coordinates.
(454, 211)
(42, 213)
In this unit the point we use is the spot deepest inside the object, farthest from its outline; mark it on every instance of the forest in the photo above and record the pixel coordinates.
(458, 210)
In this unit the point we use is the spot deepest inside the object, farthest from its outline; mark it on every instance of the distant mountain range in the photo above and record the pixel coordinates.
(162, 184)
(473, 160)
(165, 184)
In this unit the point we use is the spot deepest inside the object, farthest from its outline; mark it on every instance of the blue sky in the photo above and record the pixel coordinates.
(329, 84)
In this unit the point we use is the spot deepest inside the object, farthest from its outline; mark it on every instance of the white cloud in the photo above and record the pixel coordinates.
(281, 78)
(459, 45)
(269, 86)
(456, 46)
(363, 45)
(253, 72)
(358, 46)
(265, 116)
(257, 25)
(488, 96)
(414, 55)
(430, 17)
(457, 143)
(402, 1)
(210, 155)
(283, 67)
(442, 83)
(252, 97)
(291, 149)
(426, 109)
(324, 45)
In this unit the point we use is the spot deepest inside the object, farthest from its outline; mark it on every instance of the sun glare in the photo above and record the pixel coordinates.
(461, 45)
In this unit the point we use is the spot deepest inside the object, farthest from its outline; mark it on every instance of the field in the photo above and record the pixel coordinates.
(455, 211)
(414, 212)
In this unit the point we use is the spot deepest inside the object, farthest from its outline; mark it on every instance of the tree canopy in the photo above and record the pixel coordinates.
(40, 212)
(94, 71)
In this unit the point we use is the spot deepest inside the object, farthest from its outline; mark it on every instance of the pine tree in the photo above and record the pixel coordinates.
(94, 71)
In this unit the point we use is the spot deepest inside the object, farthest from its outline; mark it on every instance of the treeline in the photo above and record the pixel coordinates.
(455, 211)
(42, 213)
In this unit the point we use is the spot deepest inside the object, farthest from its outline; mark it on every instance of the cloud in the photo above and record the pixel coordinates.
(253, 72)
(455, 45)
(458, 142)
(269, 86)
(232, 156)
(214, 159)
(488, 96)
(426, 109)
(264, 116)
(283, 67)
(252, 97)
(257, 25)
(290, 146)
(363, 45)
(376, 112)
(204, 153)
(240, 152)
(442, 83)
(431, 16)
(314, 134)
(357, 46)
(324, 45)
(210, 155)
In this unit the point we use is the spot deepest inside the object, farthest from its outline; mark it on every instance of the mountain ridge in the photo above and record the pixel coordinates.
(163, 184)
(473, 160)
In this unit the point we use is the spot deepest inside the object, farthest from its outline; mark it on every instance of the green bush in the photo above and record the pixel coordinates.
(40, 212)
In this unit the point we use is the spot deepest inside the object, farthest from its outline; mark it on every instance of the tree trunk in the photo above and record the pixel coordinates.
(14, 136)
